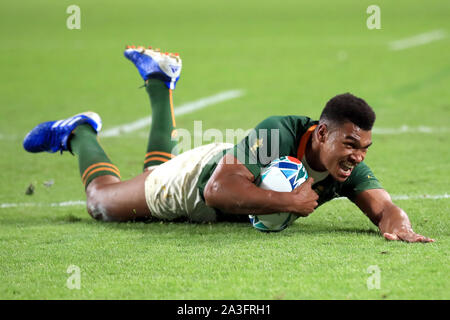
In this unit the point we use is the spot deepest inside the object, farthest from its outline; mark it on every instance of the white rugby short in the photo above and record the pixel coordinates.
(171, 189)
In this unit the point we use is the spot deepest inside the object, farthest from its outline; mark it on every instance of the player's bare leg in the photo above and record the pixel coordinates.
(109, 198)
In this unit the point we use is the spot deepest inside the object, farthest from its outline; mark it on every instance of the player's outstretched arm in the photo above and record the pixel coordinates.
(392, 221)
(231, 189)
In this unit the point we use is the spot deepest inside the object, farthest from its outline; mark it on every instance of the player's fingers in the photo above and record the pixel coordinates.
(426, 239)
(416, 238)
(390, 236)
(310, 180)
(408, 237)
(313, 195)
(412, 237)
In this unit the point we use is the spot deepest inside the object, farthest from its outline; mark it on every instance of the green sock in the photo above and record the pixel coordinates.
(160, 146)
(92, 160)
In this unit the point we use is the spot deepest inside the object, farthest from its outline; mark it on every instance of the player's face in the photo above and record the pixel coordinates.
(343, 148)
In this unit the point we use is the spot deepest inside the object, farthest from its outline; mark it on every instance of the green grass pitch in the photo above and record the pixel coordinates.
(289, 58)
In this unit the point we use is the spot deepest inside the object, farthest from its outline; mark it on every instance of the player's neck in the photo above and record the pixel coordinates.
(312, 154)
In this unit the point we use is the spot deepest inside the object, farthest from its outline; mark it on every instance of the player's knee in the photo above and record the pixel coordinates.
(96, 206)
(98, 212)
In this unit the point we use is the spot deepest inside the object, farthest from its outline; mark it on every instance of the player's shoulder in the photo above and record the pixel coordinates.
(289, 121)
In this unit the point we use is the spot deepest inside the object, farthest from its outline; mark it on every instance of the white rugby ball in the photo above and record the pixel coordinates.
(283, 175)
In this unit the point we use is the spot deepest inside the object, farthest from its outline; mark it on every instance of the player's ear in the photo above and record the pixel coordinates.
(322, 132)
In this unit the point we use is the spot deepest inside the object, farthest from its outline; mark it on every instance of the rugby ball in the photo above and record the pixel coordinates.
(283, 175)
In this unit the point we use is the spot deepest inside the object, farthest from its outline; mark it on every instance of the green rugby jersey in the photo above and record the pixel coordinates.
(289, 138)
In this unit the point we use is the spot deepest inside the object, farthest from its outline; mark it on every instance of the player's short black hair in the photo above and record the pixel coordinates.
(348, 108)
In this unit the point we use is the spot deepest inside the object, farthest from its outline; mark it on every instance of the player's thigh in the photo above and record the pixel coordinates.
(172, 189)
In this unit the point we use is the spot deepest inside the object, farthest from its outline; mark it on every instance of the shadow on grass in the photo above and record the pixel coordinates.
(313, 228)
(236, 229)
(358, 231)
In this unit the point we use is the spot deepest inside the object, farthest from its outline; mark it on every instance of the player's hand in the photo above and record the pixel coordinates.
(395, 226)
(304, 199)
(406, 235)
(401, 230)
(392, 221)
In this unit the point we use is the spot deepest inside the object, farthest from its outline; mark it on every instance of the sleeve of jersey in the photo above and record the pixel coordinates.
(263, 144)
(361, 179)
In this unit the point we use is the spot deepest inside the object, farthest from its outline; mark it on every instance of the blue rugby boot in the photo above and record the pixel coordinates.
(151, 63)
(52, 136)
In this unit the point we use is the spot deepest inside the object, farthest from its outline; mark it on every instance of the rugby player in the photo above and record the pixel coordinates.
(218, 181)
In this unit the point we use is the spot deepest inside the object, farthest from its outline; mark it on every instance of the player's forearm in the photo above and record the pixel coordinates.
(240, 196)
(393, 222)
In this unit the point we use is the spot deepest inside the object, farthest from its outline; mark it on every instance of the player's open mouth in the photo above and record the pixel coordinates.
(345, 168)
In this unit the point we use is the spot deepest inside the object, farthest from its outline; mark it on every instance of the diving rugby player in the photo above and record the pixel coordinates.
(218, 182)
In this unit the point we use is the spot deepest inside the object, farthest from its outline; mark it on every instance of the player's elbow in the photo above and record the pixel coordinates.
(212, 194)
(218, 195)
(226, 189)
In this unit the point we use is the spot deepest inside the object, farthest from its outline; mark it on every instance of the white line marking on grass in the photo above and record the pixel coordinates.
(183, 109)
(417, 40)
(425, 196)
(70, 203)
(76, 203)
(414, 197)
(10, 137)
(407, 129)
